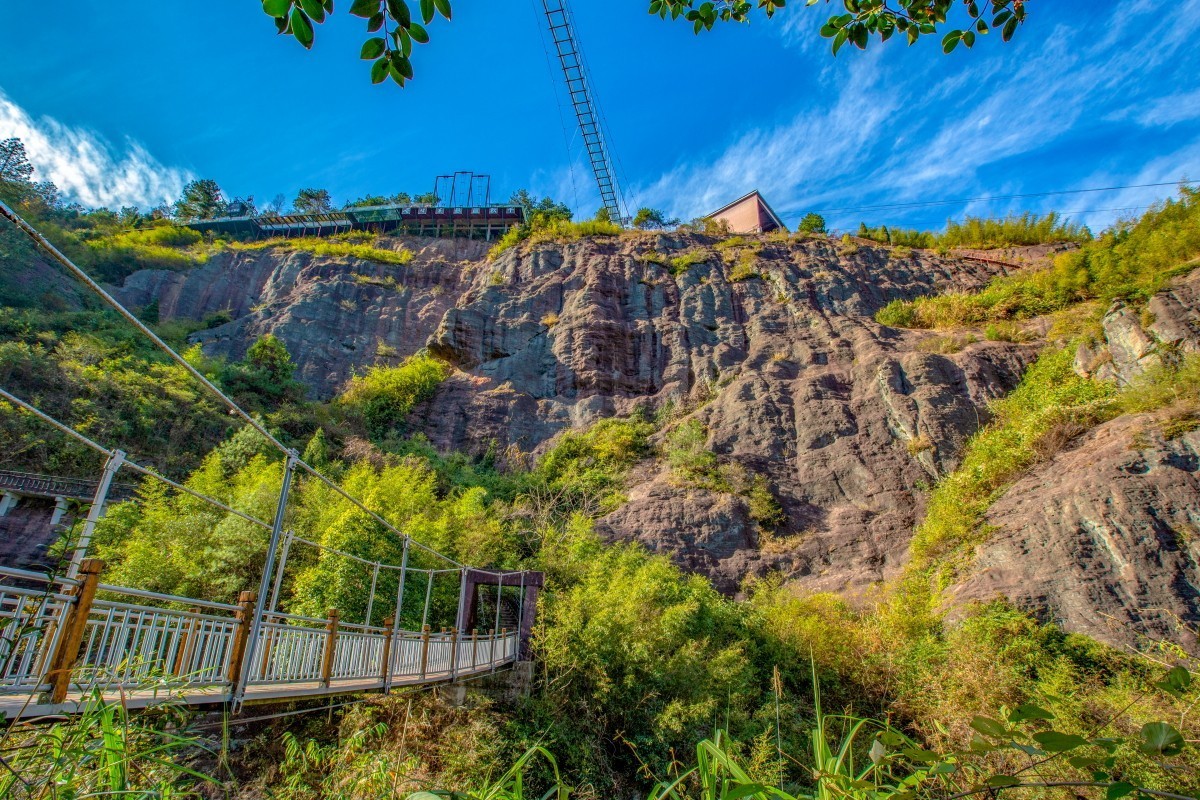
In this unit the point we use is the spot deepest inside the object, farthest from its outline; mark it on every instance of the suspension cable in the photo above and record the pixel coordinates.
(126, 462)
(58, 256)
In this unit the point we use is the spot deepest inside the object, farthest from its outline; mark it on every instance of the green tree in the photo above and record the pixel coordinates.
(14, 162)
(812, 223)
(547, 208)
(649, 219)
(202, 199)
(265, 375)
(312, 201)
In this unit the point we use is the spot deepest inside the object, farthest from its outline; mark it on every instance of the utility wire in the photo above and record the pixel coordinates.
(924, 203)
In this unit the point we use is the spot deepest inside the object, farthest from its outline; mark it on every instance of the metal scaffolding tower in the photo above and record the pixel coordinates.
(562, 32)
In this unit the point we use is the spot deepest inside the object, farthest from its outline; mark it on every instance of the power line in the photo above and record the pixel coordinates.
(925, 203)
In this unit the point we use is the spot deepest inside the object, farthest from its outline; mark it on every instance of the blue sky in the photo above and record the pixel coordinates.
(1089, 94)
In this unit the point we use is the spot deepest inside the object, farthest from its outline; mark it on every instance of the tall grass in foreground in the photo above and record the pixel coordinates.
(104, 751)
(857, 758)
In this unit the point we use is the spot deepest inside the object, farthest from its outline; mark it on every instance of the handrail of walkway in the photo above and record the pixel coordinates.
(62, 640)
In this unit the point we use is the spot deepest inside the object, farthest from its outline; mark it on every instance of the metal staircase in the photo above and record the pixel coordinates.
(562, 33)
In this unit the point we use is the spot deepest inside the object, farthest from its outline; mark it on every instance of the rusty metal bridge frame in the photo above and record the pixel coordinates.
(65, 639)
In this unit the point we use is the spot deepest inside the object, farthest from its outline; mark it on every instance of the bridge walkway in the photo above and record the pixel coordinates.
(63, 641)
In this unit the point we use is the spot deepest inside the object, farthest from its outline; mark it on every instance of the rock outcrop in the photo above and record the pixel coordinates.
(1104, 538)
(770, 344)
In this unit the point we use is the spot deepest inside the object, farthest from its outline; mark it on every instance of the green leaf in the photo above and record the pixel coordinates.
(365, 8)
(418, 33)
(1118, 790)
(950, 41)
(427, 11)
(1055, 742)
(373, 48)
(313, 9)
(1160, 738)
(1027, 711)
(375, 22)
(443, 7)
(277, 8)
(402, 65)
(1176, 681)
(838, 40)
(989, 727)
(1002, 781)
(379, 71)
(1010, 28)
(302, 28)
(398, 10)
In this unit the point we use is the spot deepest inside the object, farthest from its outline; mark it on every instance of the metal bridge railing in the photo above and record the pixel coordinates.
(59, 636)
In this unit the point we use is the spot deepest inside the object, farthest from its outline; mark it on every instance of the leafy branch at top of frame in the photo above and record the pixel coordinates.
(865, 19)
(391, 53)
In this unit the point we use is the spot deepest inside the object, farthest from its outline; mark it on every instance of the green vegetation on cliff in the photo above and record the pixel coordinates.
(1129, 262)
(637, 661)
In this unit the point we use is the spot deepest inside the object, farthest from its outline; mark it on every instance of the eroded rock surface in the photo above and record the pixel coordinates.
(787, 370)
(1104, 538)
(334, 314)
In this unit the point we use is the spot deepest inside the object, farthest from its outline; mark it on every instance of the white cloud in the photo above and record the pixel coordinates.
(88, 169)
(893, 133)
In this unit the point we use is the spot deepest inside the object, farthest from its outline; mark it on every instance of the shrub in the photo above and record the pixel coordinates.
(333, 248)
(687, 450)
(681, 264)
(544, 228)
(385, 395)
(1130, 262)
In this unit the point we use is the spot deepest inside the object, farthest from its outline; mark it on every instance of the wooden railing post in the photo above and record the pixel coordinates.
(474, 648)
(186, 639)
(424, 649)
(241, 638)
(331, 629)
(71, 637)
(453, 653)
(386, 667)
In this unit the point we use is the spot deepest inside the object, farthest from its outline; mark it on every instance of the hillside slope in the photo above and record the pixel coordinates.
(764, 349)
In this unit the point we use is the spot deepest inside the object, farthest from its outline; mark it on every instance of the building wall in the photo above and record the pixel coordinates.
(748, 216)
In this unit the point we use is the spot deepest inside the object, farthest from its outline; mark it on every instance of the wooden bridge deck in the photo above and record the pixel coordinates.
(33, 705)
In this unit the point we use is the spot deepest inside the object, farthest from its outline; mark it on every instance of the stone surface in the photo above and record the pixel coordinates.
(792, 378)
(1103, 538)
(334, 314)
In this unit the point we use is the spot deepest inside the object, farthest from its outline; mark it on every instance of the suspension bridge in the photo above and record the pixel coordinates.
(67, 637)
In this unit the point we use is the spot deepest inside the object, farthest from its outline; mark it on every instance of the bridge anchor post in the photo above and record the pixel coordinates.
(331, 631)
(424, 649)
(74, 626)
(386, 668)
(241, 637)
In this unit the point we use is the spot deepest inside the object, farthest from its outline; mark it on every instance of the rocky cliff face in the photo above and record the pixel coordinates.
(771, 345)
(1104, 537)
